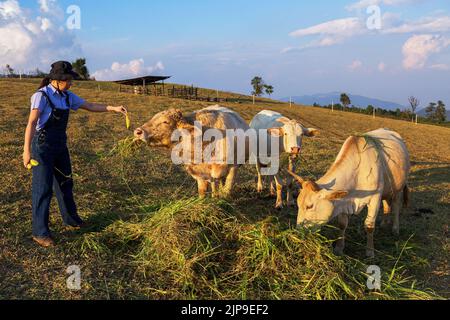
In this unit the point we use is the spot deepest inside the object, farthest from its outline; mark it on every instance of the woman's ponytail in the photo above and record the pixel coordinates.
(45, 82)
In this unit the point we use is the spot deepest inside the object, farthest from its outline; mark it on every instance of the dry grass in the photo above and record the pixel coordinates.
(152, 239)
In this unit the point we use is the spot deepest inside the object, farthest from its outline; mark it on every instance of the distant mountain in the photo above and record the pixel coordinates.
(357, 101)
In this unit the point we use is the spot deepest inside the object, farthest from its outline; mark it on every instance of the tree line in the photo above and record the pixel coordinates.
(79, 66)
(435, 112)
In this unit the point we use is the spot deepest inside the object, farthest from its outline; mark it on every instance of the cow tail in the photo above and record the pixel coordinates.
(406, 196)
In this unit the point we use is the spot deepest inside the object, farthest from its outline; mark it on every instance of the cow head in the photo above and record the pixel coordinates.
(158, 131)
(292, 133)
(316, 206)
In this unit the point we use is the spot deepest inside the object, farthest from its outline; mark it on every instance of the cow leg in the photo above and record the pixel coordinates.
(221, 183)
(387, 210)
(215, 188)
(260, 186)
(396, 215)
(279, 183)
(374, 208)
(290, 185)
(202, 187)
(273, 189)
(340, 244)
(230, 182)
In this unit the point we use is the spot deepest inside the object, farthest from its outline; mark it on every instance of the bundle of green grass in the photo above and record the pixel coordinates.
(202, 249)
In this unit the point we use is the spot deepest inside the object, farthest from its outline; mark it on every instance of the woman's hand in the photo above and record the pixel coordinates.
(26, 158)
(119, 109)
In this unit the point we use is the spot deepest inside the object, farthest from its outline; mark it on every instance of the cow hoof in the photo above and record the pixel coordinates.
(370, 254)
(396, 232)
(279, 206)
(385, 223)
(338, 251)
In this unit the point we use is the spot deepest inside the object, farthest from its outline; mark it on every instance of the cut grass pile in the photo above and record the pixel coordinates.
(194, 248)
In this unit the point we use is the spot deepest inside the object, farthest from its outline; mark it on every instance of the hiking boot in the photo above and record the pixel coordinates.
(45, 242)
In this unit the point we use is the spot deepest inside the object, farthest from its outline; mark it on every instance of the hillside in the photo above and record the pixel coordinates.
(152, 239)
(335, 97)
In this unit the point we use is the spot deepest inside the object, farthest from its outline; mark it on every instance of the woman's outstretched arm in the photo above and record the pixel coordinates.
(29, 135)
(95, 107)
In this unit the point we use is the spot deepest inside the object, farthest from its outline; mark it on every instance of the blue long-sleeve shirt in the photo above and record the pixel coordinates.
(38, 101)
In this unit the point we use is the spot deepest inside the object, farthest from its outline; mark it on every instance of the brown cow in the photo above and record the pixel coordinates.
(158, 132)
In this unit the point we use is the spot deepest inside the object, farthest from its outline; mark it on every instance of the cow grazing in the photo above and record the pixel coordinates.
(290, 133)
(159, 130)
(369, 170)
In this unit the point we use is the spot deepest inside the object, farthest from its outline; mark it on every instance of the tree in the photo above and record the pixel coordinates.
(39, 73)
(345, 100)
(414, 103)
(269, 89)
(370, 109)
(258, 86)
(79, 66)
(431, 111)
(440, 112)
(9, 70)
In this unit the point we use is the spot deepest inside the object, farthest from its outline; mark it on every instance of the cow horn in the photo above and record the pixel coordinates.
(297, 177)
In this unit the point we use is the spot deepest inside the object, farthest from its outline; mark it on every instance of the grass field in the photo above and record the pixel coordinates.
(152, 239)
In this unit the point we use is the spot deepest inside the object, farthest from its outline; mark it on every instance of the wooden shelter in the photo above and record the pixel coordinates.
(140, 84)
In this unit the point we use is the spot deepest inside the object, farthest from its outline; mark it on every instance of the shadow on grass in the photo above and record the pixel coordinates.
(433, 175)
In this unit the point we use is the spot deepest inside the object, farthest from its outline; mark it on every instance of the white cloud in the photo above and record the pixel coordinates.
(426, 25)
(28, 42)
(331, 32)
(441, 66)
(46, 24)
(10, 9)
(363, 4)
(45, 5)
(418, 49)
(381, 67)
(134, 68)
(357, 64)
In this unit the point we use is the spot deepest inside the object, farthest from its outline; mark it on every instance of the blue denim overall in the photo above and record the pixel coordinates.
(54, 173)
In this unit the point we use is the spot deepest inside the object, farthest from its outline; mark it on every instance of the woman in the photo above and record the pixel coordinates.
(46, 142)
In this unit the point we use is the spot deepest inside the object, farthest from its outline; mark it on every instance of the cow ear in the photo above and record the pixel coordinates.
(276, 132)
(311, 132)
(336, 195)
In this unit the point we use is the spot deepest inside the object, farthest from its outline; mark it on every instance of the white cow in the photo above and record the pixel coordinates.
(369, 170)
(290, 133)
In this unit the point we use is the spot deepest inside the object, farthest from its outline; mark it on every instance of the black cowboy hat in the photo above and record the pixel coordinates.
(62, 71)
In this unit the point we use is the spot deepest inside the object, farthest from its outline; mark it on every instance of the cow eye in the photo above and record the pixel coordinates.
(309, 207)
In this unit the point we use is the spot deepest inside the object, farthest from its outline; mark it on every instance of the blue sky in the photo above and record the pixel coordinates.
(223, 44)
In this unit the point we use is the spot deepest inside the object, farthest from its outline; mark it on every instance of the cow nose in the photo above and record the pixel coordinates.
(296, 150)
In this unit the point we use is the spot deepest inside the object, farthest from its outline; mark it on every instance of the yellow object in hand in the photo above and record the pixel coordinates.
(33, 163)
(128, 122)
